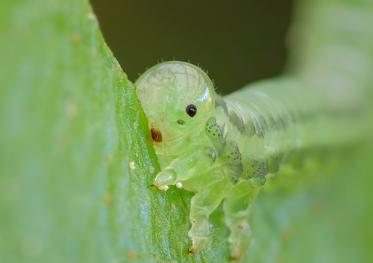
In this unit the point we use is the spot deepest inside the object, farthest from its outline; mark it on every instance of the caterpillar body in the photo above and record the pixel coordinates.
(224, 148)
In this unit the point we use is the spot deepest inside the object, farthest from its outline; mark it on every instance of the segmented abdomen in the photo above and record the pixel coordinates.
(326, 102)
(270, 120)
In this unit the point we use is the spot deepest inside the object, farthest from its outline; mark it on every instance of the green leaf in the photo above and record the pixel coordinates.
(76, 160)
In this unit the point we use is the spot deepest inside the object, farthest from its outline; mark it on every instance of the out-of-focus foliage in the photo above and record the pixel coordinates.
(236, 43)
(76, 164)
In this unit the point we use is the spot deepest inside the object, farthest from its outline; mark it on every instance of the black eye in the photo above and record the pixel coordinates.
(191, 110)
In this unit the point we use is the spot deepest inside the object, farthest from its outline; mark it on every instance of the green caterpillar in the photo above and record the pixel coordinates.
(225, 148)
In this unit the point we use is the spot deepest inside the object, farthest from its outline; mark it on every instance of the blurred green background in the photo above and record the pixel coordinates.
(237, 42)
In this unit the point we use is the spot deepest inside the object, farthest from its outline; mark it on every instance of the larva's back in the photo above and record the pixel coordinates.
(271, 120)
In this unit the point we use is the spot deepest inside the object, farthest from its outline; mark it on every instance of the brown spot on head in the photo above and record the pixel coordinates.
(156, 134)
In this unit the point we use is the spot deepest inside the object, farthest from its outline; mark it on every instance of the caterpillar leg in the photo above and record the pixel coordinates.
(203, 204)
(183, 168)
(236, 211)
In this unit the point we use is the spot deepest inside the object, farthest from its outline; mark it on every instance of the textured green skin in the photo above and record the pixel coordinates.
(226, 150)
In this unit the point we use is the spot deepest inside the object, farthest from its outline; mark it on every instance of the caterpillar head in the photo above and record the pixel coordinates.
(177, 98)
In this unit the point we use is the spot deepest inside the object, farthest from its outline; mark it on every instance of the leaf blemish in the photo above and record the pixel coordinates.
(132, 165)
